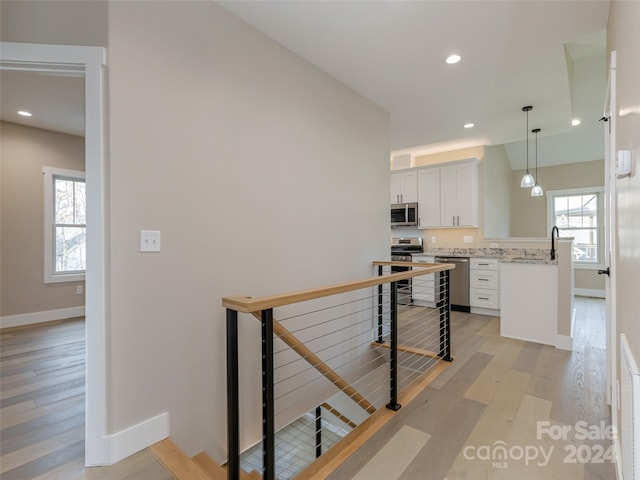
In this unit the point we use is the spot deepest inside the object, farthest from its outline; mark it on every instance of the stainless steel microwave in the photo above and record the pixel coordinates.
(404, 214)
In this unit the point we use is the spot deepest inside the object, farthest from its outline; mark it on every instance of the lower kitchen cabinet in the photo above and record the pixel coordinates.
(423, 289)
(484, 282)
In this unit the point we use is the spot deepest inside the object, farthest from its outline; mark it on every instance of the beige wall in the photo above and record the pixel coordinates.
(254, 165)
(624, 38)
(497, 199)
(64, 22)
(23, 153)
(528, 214)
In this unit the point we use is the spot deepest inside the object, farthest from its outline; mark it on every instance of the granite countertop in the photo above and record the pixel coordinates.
(540, 256)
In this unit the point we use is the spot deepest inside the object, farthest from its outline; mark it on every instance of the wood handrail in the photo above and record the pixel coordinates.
(316, 362)
(246, 304)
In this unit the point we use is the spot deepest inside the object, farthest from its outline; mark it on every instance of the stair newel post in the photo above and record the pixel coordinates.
(380, 310)
(233, 413)
(268, 400)
(445, 317)
(393, 350)
(318, 431)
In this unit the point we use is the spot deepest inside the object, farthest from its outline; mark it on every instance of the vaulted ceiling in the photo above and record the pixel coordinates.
(548, 54)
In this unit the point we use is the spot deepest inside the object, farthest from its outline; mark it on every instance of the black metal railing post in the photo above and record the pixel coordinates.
(318, 431)
(393, 350)
(445, 317)
(268, 401)
(233, 413)
(380, 309)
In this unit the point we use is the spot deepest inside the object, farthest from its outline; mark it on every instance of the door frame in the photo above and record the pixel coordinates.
(89, 62)
(610, 113)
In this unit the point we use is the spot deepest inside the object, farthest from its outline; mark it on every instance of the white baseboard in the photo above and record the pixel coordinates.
(40, 317)
(138, 437)
(564, 342)
(588, 292)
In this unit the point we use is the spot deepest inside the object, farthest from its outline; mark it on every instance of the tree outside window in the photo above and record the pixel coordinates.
(70, 225)
(578, 214)
(65, 230)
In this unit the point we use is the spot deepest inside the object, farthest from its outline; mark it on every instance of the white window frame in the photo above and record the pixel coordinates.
(599, 191)
(50, 275)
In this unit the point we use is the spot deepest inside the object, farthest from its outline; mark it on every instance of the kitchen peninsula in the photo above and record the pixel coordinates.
(533, 295)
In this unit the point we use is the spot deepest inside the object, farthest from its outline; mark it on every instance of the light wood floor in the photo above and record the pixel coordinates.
(496, 390)
(42, 409)
(494, 394)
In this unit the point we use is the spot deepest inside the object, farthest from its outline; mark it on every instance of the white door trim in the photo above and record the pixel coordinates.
(611, 253)
(92, 62)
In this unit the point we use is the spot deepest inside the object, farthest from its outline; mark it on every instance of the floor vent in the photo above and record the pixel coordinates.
(630, 411)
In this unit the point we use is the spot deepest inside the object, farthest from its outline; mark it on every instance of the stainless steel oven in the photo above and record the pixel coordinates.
(401, 250)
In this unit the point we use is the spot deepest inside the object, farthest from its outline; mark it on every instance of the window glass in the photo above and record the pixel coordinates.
(577, 216)
(70, 229)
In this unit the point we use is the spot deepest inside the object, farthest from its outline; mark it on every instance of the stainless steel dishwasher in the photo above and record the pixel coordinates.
(458, 282)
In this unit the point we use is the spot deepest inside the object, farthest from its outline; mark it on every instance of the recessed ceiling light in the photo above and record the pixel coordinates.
(454, 58)
(24, 113)
(575, 122)
(468, 125)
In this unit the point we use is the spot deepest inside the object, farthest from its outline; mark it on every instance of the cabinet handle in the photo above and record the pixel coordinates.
(484, 264)
(483, 279)
(483, 298)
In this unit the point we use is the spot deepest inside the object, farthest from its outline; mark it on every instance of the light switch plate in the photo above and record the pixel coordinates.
(468, 239)
(149, 241)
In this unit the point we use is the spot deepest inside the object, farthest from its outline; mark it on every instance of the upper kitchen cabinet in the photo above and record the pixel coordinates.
(404, 187)
(429, 197)
(459, 194)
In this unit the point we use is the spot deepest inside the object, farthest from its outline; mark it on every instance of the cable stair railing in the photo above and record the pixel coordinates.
(345, 356)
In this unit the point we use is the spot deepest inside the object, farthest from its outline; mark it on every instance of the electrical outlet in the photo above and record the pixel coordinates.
(433, 239)
(149, 241)
(79, 289)
(468, 239)
(493, 245)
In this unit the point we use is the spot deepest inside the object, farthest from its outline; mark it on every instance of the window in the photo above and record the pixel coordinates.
(65, 230)
(579, 213)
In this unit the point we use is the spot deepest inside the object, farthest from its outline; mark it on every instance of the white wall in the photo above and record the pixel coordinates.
(255, 166)
(624, 37)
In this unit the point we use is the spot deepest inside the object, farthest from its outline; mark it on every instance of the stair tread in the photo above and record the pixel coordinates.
(180, 465)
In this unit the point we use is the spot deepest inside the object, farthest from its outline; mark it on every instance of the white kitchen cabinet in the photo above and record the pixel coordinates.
(484, 286)
(429, 197)
(423, 288)
(404, 187)
(459, 194)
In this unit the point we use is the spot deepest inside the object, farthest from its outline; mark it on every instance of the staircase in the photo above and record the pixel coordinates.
(198, 467)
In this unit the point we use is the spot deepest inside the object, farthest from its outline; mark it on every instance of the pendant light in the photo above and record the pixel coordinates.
(536, 191)
(527, 181)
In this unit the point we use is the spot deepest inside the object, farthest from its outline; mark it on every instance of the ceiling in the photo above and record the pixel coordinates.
(548, 54)
(55, 101)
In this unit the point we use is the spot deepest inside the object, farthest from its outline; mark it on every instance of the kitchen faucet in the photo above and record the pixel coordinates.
(553, 249)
